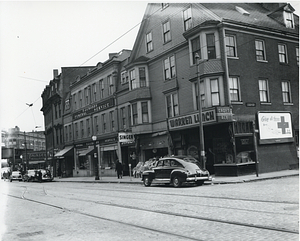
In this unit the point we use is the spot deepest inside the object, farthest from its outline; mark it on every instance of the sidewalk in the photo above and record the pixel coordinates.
(215, 180)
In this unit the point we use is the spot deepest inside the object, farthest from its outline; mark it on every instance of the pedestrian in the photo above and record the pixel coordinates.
(40, 176)
(119, 169)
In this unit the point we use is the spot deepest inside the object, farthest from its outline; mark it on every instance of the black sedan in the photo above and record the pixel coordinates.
(176, 170)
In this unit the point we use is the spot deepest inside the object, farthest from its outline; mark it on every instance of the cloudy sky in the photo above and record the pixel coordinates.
(37, 37)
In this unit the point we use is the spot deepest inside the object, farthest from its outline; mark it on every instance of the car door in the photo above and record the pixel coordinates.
(158, 170)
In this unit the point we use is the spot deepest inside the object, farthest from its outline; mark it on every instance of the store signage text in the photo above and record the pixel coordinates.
(94, 108)
(126, 138)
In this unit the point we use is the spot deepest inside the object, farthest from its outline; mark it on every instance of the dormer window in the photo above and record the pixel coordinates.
(288, 19)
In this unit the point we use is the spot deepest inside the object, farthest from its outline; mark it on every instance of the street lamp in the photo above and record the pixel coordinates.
(94, 138)
(201, 132)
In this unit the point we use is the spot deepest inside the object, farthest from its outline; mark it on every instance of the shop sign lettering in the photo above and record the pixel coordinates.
(94, 108)
(126, 137)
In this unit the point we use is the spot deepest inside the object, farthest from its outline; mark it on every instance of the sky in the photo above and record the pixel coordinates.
(37, 37)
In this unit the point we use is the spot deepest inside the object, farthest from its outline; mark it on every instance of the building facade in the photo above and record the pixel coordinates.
(240, 63)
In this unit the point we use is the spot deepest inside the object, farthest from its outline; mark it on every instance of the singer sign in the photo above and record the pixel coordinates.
(275, 127)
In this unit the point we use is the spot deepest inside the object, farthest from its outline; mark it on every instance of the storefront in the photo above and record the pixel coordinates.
(64, 162)
(129, 155)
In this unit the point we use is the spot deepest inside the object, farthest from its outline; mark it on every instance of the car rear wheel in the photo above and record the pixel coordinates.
(176, 182)
(147, 181)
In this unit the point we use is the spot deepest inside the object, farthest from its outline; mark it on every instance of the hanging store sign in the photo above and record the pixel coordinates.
(126, 138)
(104, 105)
(218, 114)
(275, 127)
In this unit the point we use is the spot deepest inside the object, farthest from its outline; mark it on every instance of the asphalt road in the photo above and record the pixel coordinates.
(264, 210)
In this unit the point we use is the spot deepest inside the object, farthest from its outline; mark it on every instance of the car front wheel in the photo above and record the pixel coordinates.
(176, 182)
(147, 181)
(199, 183)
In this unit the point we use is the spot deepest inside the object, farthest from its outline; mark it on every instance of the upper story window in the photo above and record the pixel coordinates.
(288, 19)
(149, 43)
(88, 127)
(202, 94)
(94, 87)
(111, 85)
(215, 94)
(187, 18)
(86, 94)
(297, 55)
(166, 32)
(234, 87)
(260, 50)
(80, 98)
(101, 88)
(230, 43)
(82, 129)
(138, 81)
(74, 101)
(112, 120)
(96, 124)
(286, 92)
(196, 49)
(123, 117)
(132, 79)
(263, 91)
(145, 114)
(124, 77)
(282, 53)
(172, 105)
(134, 114)
(211, 48)
(103, 117)
(169, 67)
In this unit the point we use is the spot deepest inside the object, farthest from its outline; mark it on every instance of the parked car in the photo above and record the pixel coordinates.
(176, 170)
(16, 175)
(33, 175)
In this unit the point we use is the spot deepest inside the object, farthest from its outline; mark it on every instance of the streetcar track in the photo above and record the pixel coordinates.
(158, 212)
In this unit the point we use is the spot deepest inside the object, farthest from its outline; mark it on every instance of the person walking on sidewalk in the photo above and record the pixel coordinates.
(119, 169)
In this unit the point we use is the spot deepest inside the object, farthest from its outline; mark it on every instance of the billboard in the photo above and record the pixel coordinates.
(275, 127)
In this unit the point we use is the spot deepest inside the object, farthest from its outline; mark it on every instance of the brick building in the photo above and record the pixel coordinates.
(246, 59)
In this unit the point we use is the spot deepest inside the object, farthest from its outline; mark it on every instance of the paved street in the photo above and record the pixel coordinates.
(263, 210)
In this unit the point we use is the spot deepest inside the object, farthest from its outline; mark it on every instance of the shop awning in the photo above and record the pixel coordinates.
(86, 151)
(36, 162)
(63, 152)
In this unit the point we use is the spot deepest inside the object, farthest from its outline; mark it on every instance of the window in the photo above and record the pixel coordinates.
(149, 43)
(169, 68)
(282, 53)
(55, 110)
(86, 96)
(112, 120)
(234, 88)
(142, 75)
(286, 92)
(133, 84)
(129, 115)
(260, 50)
(187, 18)
(211, 49)
(297, 55)
(66, 131)
(59, 110)
(76, 130)
(81, 127)
(202, 94)
(101, 87)
(70, 132)
(166, 32)
(103, 123)
(74, 102)
(88, 127)
(124, 77)
(123, 117)
(145, 116)
(96, 125)
(111, 85)
(134, 114)
(214, 88)
(94, 92)
(196, 49)
(80, 99)
(263, 90)
(288, 19)
(230, 43)
(172, 105)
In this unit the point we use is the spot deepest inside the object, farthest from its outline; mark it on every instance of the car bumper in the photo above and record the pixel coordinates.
(195, 179)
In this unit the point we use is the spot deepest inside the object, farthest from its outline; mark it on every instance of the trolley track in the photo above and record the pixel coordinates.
(133, 208)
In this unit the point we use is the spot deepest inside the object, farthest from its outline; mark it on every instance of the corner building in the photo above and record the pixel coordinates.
(240, 61)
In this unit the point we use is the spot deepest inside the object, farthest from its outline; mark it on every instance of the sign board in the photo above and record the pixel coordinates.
(275, 127)
(126, 137)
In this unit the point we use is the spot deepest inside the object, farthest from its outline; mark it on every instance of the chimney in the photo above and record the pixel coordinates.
(55, 73)
(111, 55)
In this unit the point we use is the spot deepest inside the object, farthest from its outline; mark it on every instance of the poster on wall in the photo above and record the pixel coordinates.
(275, 127)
